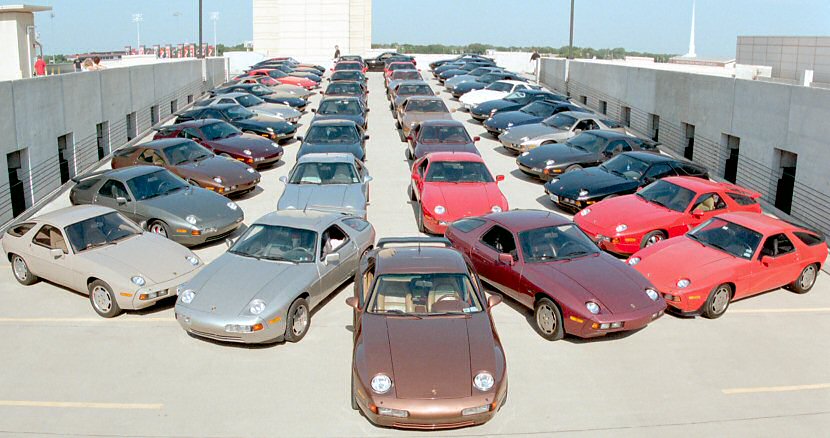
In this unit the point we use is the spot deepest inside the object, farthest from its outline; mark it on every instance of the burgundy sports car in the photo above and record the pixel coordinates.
(548, 264)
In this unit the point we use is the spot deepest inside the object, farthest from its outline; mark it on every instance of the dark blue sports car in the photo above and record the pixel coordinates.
(512, 102)
(533, 112)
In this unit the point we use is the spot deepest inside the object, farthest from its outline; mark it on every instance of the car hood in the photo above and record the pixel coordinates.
(463, 199)
(530, 131)
(203, 204)
(620, 289)
(336, 196)
(486, 107)
(218, 285)
(263, 122)
(355, 149)
(459, 79)
(156, 258)
(558, 152)
(472, 85)
(231, 171)
(284, 111)
(631, 210)
(479, 96)
(411, 117)
(422, 149)
(596, 181)
(357, 118)
(700, 263)
(254, 143)
(502, 119)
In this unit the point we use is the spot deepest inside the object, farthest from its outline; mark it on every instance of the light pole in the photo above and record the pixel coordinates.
(214, 17)
(52, 31)
(571, 43)
(138, 18)
(199, 50)
(177, 14)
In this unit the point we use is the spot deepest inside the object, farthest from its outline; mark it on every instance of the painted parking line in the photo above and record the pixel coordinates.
(755, 390)
(83, 320)
(796, 310)
(82, 405)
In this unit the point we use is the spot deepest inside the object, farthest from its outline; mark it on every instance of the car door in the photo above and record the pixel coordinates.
(334, 240)
(705, 207)
(419, 172)
(43, 263)
(113, 194)
(485, 254)
(363, 174)
(778, 263)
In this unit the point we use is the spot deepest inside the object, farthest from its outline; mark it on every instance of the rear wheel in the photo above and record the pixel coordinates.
(805, 280)
(298, 321)
(103, 299)
(548, 319)
(21, 271)
(354, 394)
(158, 227)
(652, 238)
(420, 219)
(718, 302)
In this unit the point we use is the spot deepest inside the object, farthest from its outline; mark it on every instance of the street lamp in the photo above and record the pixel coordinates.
(177, 14)
(138, 18)
(214, 17)
(571, 43)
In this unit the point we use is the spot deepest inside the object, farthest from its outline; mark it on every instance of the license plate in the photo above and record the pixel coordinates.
(259, 159)
(554, 198)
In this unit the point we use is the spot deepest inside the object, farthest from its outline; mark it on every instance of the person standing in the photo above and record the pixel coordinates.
(87, 65)
(336, 52)
(96, 61)
(77, 63)
(40, 67)
(534, 58)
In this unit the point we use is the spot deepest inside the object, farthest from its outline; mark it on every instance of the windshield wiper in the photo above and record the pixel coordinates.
(399, 312)
(98, 244)
(279, 259)
(454, 313)
(575, 254)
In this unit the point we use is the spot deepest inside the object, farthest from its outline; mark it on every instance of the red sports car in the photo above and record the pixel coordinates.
(394, 66)
(283, 78)
(666, 208)
(448, 186)
(729, 257)
(224, 139)
(547, 264)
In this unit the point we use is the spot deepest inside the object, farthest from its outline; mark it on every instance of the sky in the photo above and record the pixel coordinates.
(660, 26)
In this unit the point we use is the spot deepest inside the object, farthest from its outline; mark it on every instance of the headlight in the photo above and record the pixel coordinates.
(138, 280)
(550, 162)
(250, 170)
(652, 294)
(439, 209)
(217, 180)
(274, 144)
(381, 384)
(232, 205)
(191, 219)
(290, 207)
(271, 130)
(256, 307)
(621, 227)
(525, 153)
(554, 180)
(493, 111)
(592, 307)
(187, 296)
(247, 152)
(585, 212)
(483, 381)
(525, 138)
(583, 194)
(683, 283)
(193, 260)
(510, 125)
(496, 209)
(633, 261)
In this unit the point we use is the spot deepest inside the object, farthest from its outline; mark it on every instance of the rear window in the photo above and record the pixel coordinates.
(689, 169)
(741, 199)
(612, 124)
(809, 239)
(124, 152)
(19, 230)
(87, 183)
(467, 225)
(356, 223)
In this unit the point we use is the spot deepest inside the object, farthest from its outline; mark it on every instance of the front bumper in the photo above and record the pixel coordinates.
(612, 242)
(168, 288)
(266, 160)
(212, 326)
(569, 203)
(584, 326)
(207, 232)
(535, 172)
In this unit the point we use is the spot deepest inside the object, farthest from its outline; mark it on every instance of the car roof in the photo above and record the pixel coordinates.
(581, 115)
(425, 98)
(330, 157)
(703, 185)
(410, 81)
(304, 219)
(221, 106)
(129, 172)
(760, 222)
(443, 122)
(193, 123)
(523, 220)
(333, 122)
(455, 156)
(326, 99)
(650, 157)
(419, 259)
(230, 95)
(70, 215)
(163, 143)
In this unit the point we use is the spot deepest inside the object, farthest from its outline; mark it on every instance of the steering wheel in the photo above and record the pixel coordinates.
(302, 252)
(164, 185)
(565, 245)
(453, 297)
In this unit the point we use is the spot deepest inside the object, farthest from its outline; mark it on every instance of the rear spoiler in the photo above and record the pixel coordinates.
(741, 190)
(78, 178)
(414, 241)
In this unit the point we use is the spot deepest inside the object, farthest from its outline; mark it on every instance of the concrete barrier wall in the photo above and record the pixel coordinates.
(39, 110)
(765, 116)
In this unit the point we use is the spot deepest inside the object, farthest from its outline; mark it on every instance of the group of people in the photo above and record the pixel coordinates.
(88, 64)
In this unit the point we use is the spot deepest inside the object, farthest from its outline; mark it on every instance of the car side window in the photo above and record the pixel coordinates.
(212, 114)
(423, 167)
(777, 245)
(150, 156)
(708, 202)
(51, 238)
(227, 100)
(586, 125)
(113, 189)
(368, 278)
(500, 240)
(190, 133)
(658, 171)
(616, 147)
(333, 239)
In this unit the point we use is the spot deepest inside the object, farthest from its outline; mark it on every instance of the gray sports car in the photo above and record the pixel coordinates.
(555, 129)
(332, 182)
(164, 203)
(265, 286)
(255, 104)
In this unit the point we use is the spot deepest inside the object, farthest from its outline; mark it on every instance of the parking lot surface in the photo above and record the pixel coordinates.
(761, 370)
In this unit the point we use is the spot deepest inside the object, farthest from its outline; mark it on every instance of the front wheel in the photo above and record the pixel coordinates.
(158, 227)
(806, 280)
(718, 302)
(573, 167)
(103, 299)
(21, 271)
(652, 238)
(299, 318)
(548, 320)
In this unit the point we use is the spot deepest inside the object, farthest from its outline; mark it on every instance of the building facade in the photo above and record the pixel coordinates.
(309, 29)
(789, 57)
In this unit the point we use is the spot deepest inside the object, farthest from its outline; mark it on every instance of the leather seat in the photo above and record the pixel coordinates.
(395, 297)
(445, 292)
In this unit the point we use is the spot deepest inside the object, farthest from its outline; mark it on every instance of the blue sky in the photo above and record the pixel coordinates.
(646, 25)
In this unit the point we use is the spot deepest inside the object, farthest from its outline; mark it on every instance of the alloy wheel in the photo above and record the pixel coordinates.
(102, 299)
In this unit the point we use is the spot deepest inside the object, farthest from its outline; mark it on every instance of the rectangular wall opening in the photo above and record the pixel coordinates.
(787, 162)
(584, 100)
(625, 115)
(66, 157)
(17, 181)
(154, 115)
(603, 107)
(654, 127)
(730, 168)
(131, 128)
(102, 132)
(189, 99)
(174, 106)
(689, 135)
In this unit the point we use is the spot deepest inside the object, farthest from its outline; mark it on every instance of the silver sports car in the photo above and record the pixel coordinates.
(333, 181)
(555, 129)
(164, 203)
(255, 104)
(97, 251)
(265, 286)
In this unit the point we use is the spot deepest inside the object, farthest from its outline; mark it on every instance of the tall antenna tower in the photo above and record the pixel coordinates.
(692, 53)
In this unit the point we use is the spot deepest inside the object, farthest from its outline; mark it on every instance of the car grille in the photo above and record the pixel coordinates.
(217, 337)
(219, 236)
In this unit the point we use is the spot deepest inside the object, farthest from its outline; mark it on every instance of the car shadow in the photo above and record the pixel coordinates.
(474, 122)
(253, 193)
(487, 134)
(545, 201)
(506, 152)
(275, 165)
(525, 177)
(236, 233)
(288, 142)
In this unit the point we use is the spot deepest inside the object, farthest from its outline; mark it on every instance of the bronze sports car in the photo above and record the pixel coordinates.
(426, 353)
(417, 109)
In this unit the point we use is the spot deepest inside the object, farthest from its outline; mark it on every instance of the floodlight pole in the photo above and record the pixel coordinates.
(201, 55)
(571, 43)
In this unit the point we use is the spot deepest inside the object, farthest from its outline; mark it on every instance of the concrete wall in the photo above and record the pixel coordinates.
(764, 116)
(39, 110)
(789, 57)
(14, 54)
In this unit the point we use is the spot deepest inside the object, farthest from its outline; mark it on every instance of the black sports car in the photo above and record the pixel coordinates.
(533, 112)
(342, 108)
(334, 136)
(348, 75)
(377, 63)
(621, 175)
(512, 102)
(243, 119)
(436, 64)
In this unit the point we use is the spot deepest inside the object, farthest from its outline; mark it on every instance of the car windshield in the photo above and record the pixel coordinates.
(625, 166)
(348, 66)
(443, 134)
(349, 75)
(107, 229)
(560, 242)
(559, 121)
(411, 90)
(238, 112)
(587, 142)
(498, 86)
(729, 237)
(276, 74)
(406, 75)
(339, 106)
(668, 195)
(402, 66)
(220, 130)
(537, 109)
(458, 172)
(259, 90)
(249, 100)
(186, 152)
(348, 88)
(324, 173)
(516, 96)
(426, 106)
(278, 243)
(424, 295)
(488, 78)
(155, 184)
(333, 134)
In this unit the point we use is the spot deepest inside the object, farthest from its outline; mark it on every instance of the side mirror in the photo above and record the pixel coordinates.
(697, 214)
(332, 258)
(121, 200)
(284, 179)
(765, 260)
(56, 253)
(453, 110)
(493, 301)
(576, 131)
(300, 138)
(409, 138)
(353, 303)
(314, 110)
(367, 179)
(366, 137)
(499, 178)
(506, 259)
(476, 138)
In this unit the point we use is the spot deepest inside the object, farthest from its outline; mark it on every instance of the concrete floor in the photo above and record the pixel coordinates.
(761, 370)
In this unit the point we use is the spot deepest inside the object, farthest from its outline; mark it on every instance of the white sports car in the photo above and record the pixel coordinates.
(496, 90)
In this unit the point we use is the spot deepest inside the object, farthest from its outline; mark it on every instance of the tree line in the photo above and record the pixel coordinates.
(578, 52)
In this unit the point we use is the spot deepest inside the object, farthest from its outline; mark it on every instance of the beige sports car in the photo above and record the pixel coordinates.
(96, 250)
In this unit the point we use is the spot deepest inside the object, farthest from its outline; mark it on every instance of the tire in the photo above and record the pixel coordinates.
(398, 124)
(715, 305)
(408, 153)
(419, 219)
(652, 238)
(21, 271)
(806, 280)
(103, 300)
(299, 310)
(158, 227)
(411, 193)
(547, 320)
(573, 167)
(354, 397)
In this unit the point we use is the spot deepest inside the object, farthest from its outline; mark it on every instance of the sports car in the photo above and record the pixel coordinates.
(348, 75)
(439, 136)
(460, 69)
(96, 251)
(331, 182)
(730, 257)
(225, 140)
(342, 108)
(347, 89)
(447, 186)
(667, 208)
(406, 89)
(426, 353)
(377, 63)
(399, 76)
(293, 63)
(242, 119)
(621, 175)
(512, 102)
(534, 112)
(290, 262)
(350, 66)
(306, 73)
(495, 90)
(417, 109)
(254, 104)
(268, 94)
(330, 136)
(545, 263)
(555, 129)
(483, 81)
(470, 76)
(395, 66)
(466, 56)
(162, 202)
(284, 78)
